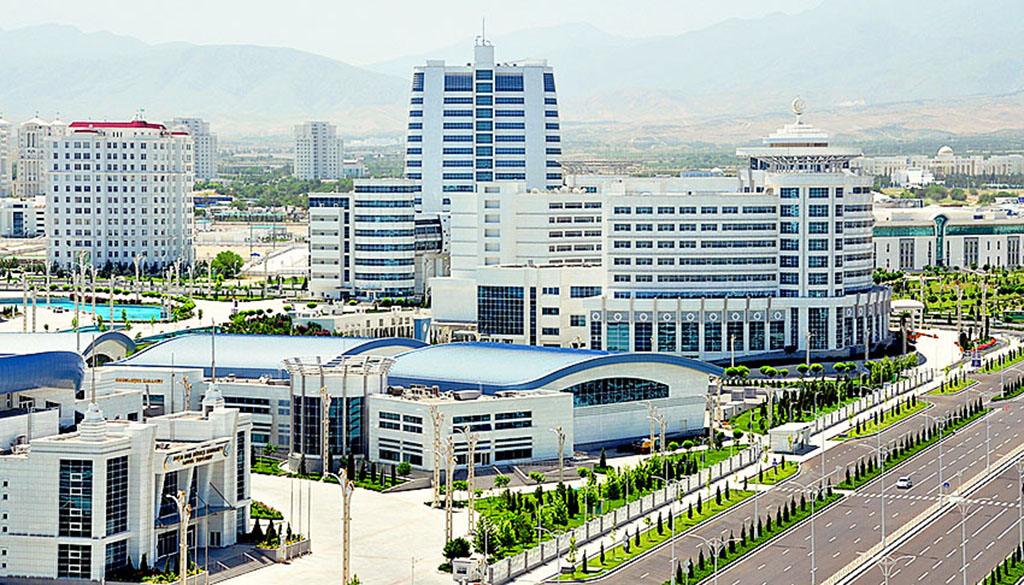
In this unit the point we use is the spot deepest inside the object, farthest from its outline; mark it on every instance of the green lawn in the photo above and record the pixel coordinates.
(959, 386)
(650, 538)
(489, 507)
(747, 421)
(889, 419)
(751, 544)
(1008, 395)
(267, 466)
(1011, 571)
(997, 367)
(776, 474)
(868, 476)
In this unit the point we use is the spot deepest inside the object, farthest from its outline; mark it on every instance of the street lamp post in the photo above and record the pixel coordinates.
(561, 446)
(557, 536)
(941, 426)
(988, 434)
(807, 354)
(732, 350)
(1020, 502)
(880, 453)
(184, 514)
(471, 441)
(672, 531)
(437, 420)
(325, 431)
(715, 544)
(449, 475)
(347, 489)
(888, 563)
(962, 505)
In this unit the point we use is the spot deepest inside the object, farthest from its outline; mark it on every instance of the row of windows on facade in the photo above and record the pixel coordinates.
(484, 100)
(482, 163)
(482, 151)
(501, 81)
(97, 144)
(487, 138)
(737, 336)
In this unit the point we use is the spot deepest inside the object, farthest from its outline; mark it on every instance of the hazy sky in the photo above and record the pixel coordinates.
(361, 32)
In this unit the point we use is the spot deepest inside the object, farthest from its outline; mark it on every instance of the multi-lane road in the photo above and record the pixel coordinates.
(854, 524)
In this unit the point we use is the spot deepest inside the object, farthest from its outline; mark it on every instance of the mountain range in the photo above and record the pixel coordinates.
(875, 63)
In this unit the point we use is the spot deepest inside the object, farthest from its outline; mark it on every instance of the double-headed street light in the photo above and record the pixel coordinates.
(880, 452)
(672, 531)
(941, 425)
(888, 562)
(347, 489)
(180, 500)
(716, 545)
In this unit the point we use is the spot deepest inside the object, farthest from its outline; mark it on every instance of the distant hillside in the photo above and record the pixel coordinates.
(250, 89)
(840, 54)
(873, 68)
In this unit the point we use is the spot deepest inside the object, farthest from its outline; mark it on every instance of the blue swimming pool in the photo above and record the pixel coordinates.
(134, 312)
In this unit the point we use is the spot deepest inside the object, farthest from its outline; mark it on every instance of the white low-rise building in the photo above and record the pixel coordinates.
(510, 427)
(84, 494)
(79, 505)
(967, 237)
(23, 217)
(943, 164)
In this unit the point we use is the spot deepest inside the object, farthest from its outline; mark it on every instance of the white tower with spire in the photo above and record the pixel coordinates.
(213, 399)
(93, 427)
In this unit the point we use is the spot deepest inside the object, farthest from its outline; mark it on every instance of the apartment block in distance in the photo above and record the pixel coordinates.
(117, 190)
(32, 164)
(6, 159)
(319, 153)
(482, 122)
(205, 146)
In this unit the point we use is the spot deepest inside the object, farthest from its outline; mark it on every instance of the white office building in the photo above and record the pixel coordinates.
(766, 262)
(481, 122)
(911, 239)
(83, 490)
(319, 153)
(78, 505)
(22, 218)
(6, 158)
(363, 243)
(117, 190)
(204, 146)
(33, 141)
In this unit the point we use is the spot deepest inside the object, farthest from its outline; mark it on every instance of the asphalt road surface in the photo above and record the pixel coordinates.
(853, 525)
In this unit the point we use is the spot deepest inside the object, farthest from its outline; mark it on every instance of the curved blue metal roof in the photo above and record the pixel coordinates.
(26, 343)
(252, 356)
(51, 369)
(501, 366)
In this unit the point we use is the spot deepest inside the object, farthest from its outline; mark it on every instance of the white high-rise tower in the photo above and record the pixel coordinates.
(117, 190)
(6, 154)
(482, 122)
(33, 136)
(319, 153)
(205, 145)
